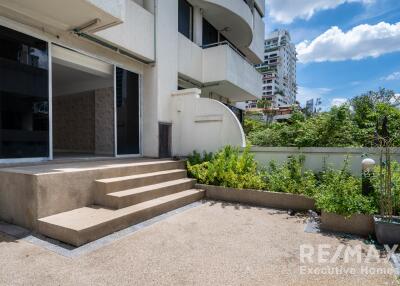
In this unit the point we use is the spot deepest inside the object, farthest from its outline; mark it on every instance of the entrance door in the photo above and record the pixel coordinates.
(128, 112)
(24, 96)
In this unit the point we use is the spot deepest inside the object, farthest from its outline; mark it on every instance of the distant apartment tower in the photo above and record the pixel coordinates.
(279, 70)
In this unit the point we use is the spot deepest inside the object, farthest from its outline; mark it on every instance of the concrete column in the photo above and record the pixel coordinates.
(197, 26)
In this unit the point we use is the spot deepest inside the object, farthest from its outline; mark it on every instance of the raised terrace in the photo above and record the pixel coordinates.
(78, 201)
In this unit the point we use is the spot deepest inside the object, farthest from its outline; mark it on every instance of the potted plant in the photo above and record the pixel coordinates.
(343, 206)
(387, 185)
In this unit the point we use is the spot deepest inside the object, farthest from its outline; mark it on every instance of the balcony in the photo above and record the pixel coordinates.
(229, 74)
(255, 52)
(64, 15)
(220, 69)
(233, 17)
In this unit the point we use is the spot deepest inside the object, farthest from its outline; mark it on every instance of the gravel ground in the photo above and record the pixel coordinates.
(213, 244)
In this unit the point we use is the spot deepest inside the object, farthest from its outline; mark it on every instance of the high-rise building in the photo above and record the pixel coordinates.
(279, 69)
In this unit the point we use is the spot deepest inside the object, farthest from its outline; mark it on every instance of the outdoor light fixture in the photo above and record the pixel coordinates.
(368, 164)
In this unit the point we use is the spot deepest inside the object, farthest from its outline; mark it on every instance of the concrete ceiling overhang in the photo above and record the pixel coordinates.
(232, 17)
(228, 90)
(61, 14)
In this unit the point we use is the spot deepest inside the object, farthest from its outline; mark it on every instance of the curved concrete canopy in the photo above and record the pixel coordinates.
(232, 17)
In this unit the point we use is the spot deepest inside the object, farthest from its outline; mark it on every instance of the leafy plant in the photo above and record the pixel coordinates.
(290, 177)
(352, 124)
(198, 158)
(379, 180)
(339, 192)
(229, 168)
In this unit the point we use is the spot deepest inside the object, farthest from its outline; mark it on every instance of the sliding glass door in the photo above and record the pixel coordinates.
(128, 112)
(24, 96)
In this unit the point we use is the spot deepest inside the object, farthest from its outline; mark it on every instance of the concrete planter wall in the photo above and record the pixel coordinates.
(316, 157)
(259, 198)
(359, 224)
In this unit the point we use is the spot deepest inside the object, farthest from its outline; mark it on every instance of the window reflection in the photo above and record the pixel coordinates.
(24, 97)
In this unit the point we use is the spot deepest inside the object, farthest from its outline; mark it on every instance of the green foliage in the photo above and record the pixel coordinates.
(340, 193)
(251, 125)
(197, 158)
(353, 124)
(330, 129)
(229, 168)
(395, 184)
(290, 177)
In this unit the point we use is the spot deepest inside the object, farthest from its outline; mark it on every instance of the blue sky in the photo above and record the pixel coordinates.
(345, 47)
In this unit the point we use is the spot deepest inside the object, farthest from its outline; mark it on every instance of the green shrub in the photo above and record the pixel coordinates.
(339, 192)
(290, 177)
(229, 168)
(197, 158)
(352, 124)
(395, 190)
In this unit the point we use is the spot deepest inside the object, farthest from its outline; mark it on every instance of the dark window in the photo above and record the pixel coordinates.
(127, 112)
(185, 19)
(210, 34)
(24, 96)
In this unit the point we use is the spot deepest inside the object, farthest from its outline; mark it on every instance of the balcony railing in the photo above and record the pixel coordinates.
(222, 43)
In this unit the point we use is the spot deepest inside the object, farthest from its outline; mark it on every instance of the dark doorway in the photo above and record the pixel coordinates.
(128, 116)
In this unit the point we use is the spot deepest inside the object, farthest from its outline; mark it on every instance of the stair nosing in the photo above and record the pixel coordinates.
(137, 176)
(149, 188)
(116, 214)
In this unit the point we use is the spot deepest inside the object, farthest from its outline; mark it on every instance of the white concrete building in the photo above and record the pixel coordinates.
(279, 69)
(125, 77)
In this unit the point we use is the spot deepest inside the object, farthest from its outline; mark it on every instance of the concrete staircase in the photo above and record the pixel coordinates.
(124, 201)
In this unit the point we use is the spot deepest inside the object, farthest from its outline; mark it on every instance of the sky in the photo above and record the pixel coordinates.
(344, 47)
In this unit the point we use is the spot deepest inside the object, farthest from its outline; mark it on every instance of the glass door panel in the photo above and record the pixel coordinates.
(24, 96)
(128, 115)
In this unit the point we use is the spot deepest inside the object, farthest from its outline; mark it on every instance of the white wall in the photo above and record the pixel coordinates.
(115, 7)
(315, 157)
(261, 5)
(256, 48)
(135, 34)
(190, 59)
(202, 124)
(167, 56)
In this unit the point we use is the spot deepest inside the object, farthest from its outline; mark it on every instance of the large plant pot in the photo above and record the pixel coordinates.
(358, 224)
(387, 232)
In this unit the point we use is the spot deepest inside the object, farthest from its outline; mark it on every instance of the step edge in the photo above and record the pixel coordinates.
(138, 176)
(150, 188)
(190, 192)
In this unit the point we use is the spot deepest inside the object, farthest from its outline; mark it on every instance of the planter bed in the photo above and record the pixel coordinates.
(259, 198)
(359, 224)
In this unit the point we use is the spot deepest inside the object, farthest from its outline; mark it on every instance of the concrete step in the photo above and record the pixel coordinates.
(124, 168)
(122, 199)
(83, 225)
(111, 185)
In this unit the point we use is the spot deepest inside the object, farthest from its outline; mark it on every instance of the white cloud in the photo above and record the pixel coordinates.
(392, 76)
(360, 42)
(338, 101)
(285, 11)
(307, 93)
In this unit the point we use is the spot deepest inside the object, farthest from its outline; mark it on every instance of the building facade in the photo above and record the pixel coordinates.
(279, 70)
(125, 77)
